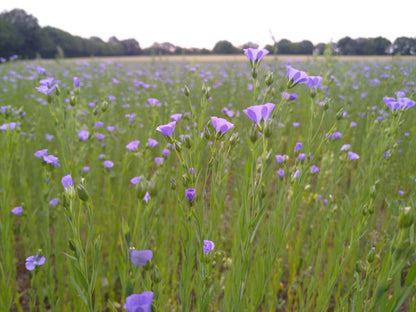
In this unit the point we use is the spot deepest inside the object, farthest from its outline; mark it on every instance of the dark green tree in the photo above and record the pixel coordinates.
(404, 46)
(11, 40)
(347, 46)
(225, 47)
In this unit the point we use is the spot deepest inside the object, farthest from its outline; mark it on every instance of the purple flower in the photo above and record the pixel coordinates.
(296, 174)
(140, 257)
(49, 137)
(53, 160)
(314, 169)
(190, 194)
(33, 261)
(289, 96)
(108, 164)
(208, 246)
(280, 158)
(152, 143)
(335, 136)
(257, 113)
(83, 135)
(39, 154)
(255, 56)
(133, 145)
(135, 180)
(176, 117)
(301, 156)
(353, 156)
(401, 192)
(67, 181)
(345, 147)
(154, 102)
(45, 90)
(17, 210)
(77, 83)
(146, 197)
(167, 129)
(221, 125)
(159, 160)
(281, 173)
(139, 303)
(53, 202)
(110, 128)
(86, 169)
(100, 136)
(398, 104)
(313, 82)
(165, 152)
(298, 146)
(98, 124)
(295, 76)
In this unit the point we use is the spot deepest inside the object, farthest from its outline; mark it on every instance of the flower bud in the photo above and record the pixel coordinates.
(82, 192)
(72, 100)
(186, 90)
(269, 79)
(339, 114)
(268, 129)
(156, 278)
(254, 72)
(141, 188)
(234, 139)
(358, 267)
(253, 134)
(371, 255)
(406, 218)
(104, 106)
(57, 90)
(187, 142)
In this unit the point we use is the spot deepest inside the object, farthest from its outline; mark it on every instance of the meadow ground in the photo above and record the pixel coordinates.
(208, 183)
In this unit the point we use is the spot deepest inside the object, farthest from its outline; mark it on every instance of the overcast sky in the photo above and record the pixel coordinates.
(200, 24)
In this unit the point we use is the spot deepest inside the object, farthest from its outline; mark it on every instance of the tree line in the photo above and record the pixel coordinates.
(20, 34)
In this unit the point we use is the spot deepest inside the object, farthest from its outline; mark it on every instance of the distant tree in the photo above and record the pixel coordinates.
(131, 47)
(404, 46)
(320, 48)
(11, 40)
(28, 28)
(225, 47)
(249, 45)
(113, 39)
(305, 47)
(381, 46)
(285, 46)
(269, 48)
(347, 46)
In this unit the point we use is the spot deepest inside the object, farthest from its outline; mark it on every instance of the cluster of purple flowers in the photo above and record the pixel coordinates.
(49, 159)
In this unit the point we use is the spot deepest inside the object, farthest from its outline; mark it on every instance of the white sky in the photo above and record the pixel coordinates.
(200, 24)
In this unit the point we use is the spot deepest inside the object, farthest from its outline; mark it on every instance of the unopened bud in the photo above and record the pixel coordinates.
(254, 73)
(82, 192)
(186, 90)
(406, 218)
(340, 114)
(104, 106)
(57, 90)
(371, 255)
(253, 134)
(141, 188)
(269, 79)
(156, 278)
(268, 129)
(234, 139)
(187, 142)
(72, 100)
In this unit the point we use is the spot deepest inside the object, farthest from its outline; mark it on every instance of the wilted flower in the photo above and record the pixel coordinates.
(17, 210)
(133, 145)
(140, 257)
(139, 303)
(33, 261)
(167, 129)
(208, 246)
(257, 113)
(221, 125)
